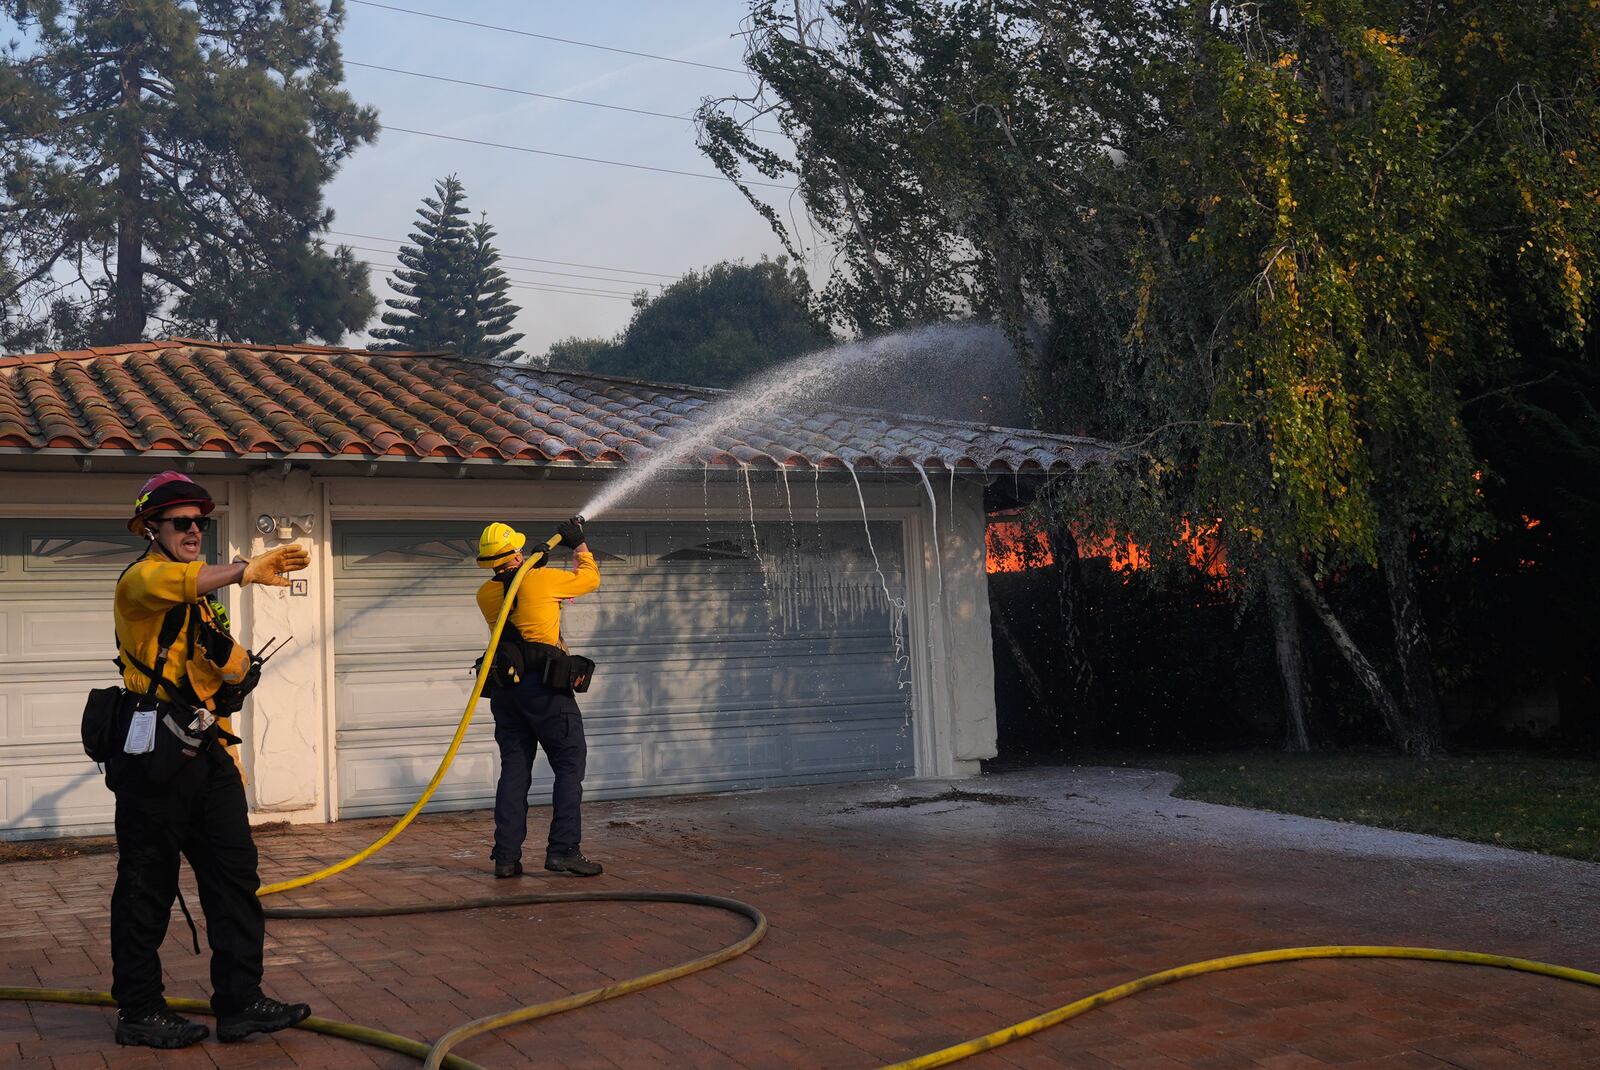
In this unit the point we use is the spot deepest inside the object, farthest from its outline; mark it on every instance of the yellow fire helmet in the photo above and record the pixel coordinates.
(497, 543)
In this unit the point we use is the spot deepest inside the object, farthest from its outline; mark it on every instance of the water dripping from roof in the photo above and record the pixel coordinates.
(938, 556)
(950, 520)
(755, 550)
(896, 606)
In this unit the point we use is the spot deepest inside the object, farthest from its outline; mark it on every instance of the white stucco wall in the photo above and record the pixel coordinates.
(968, 647)
(287, 724)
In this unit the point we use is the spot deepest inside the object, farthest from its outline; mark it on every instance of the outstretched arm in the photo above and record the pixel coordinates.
(269, 568)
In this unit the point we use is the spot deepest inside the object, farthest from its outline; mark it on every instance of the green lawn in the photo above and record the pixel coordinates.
(1550, 805)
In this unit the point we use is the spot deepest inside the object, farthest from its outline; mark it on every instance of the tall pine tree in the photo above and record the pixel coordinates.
(453, 292)
(164, 160)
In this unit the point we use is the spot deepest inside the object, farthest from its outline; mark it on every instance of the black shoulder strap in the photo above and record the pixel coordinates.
(504, 580)
(511, 634)
(171, 625)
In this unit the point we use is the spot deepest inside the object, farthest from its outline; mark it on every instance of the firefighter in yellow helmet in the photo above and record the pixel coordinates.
(532, 702)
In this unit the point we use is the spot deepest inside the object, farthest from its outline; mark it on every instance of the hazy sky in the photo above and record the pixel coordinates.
(552, 209)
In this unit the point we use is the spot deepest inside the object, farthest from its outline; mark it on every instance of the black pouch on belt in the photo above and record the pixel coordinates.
(105, 722)
(578, 670)
(558, 670)
(108, 711)
(511, 663)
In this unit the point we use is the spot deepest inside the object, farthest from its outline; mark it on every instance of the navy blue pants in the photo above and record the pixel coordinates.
(527, 717)
(202, 816)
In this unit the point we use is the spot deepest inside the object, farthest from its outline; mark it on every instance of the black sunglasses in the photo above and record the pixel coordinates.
(185, 523)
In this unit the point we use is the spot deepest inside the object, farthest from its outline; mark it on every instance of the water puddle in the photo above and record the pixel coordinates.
(989, 798)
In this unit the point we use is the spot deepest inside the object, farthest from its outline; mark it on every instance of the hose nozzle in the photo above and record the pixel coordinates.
(576, 522)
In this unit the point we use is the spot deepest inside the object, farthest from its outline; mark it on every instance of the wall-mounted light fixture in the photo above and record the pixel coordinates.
(284, 526)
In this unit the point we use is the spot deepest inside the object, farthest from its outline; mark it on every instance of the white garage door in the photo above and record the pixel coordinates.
(56, 582)
(720, 667)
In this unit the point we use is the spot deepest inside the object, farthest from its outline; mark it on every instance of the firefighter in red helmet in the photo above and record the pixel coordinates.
(178, 791)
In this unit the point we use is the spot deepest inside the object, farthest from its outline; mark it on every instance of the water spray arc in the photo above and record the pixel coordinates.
(799, 381)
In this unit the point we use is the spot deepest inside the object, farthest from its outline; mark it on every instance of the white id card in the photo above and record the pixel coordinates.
(141, 733)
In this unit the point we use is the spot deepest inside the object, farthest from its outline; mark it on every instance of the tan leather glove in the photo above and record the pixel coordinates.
(268, 568)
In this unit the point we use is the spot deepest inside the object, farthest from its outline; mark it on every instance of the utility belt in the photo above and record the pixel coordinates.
(517, 660)
(134, 734)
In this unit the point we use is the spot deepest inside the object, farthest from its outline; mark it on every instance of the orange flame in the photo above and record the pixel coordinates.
(1013, 547)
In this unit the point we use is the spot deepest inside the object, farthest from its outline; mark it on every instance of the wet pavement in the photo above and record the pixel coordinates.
(904, 917)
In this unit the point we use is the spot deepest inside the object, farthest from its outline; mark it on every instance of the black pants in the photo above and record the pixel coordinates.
(200, 814)
(527, 717)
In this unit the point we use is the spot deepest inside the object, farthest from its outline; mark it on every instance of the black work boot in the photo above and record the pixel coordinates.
(159, 1029)
(265, 1015)
(508, 869)
(574, 863)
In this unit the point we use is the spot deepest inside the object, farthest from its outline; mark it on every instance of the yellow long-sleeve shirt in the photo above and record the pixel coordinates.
(145, 593)
(537, 614)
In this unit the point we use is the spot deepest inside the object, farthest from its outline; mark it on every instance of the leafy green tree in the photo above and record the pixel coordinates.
(1270, 248)
(165, 159)
(574, 354)
(713, 327)
(453, 292)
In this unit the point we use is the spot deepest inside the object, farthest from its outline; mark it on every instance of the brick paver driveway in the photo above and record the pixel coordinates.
(904, 917)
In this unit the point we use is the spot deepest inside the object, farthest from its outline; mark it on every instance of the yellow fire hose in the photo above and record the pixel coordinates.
(361, 1034)
(444, 763)
(438, 1054)
(957, 1052)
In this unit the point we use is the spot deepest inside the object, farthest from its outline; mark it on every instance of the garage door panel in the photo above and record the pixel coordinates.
(67, 550)
(399, 698)
(407, 552)
(616, 693)
(716, 669)
(615, 763)
(48, 795)
(603, 616)
(48, 631)
(57, 578)
(823, 749)
(384, 778)
(722, 756)
(726, 616)
(714, 614)
(396, 624)
(834, 682)
(45, 711)
(777, 719)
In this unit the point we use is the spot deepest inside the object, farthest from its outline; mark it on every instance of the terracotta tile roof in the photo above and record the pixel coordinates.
(206, 398)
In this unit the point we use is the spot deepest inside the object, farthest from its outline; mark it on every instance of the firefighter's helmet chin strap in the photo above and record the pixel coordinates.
(537, 559)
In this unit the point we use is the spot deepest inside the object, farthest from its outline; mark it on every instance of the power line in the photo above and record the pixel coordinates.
(519, 92)
(509, 256)
(572, 291)
(534, 271)
(547, 37)
(585, 159)
(522, 283)
(531, 93)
